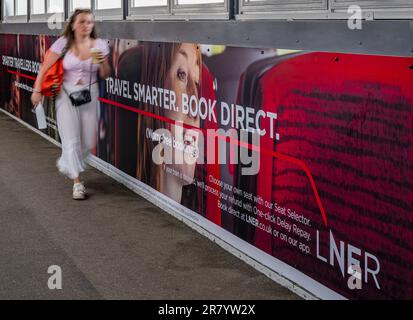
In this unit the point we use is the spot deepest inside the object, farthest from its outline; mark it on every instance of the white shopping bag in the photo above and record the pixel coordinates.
(40, 116)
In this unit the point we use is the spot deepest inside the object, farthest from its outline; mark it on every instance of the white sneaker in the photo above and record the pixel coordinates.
(79, 191)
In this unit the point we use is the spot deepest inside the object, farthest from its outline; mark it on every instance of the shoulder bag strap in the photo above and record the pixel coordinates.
(91, 65)
(65, 50)
(90, 76)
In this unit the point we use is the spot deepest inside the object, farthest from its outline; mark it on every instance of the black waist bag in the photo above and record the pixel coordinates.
(81, 97)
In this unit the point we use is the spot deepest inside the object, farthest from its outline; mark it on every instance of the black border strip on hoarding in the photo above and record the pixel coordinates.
(381, 37)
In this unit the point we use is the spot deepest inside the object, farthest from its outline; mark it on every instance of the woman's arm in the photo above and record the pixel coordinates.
(50, 58)
(104, 69)
(102, 57)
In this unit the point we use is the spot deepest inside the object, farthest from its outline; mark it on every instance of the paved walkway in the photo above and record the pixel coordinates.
(115, 245)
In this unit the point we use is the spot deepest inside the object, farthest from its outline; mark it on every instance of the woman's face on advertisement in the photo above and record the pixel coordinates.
(83, 24)
(184, 77)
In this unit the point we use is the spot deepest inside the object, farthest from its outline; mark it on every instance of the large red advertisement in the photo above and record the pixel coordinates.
(305, 156)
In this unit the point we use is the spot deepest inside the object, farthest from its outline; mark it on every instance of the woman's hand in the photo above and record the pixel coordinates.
(36, 98)
(104, 67)
(98, 57)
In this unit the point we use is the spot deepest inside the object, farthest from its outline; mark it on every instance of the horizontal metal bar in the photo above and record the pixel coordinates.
(383, 37)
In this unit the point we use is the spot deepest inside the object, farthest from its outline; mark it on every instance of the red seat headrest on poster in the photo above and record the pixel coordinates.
(349, 118)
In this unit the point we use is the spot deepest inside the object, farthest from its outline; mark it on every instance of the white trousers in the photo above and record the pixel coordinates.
(77, 129)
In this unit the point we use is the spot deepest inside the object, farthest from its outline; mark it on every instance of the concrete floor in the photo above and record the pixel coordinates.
(115, 245)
